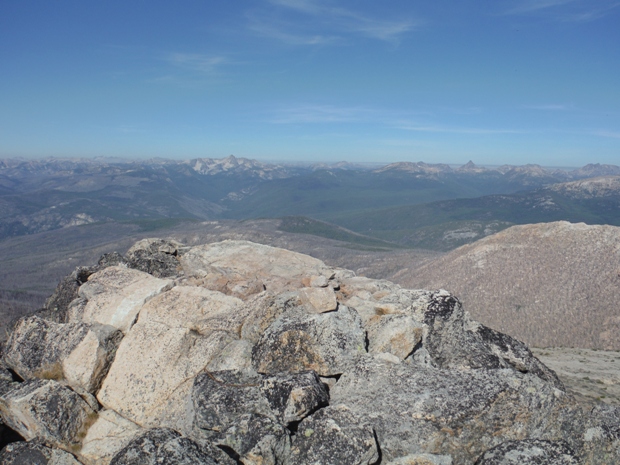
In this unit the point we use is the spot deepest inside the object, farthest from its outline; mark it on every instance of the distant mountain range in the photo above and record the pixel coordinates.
(447, 224)
(42, 195)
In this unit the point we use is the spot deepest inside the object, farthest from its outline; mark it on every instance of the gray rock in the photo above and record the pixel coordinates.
(294, 396)
(256, 440)
(76, 352)
(67, 290)
(157, 257)
(334, 436)
(162, 446)
(182, 451)
(221, 398)
(454, 340)
(529, 451)
(462, 413)
(517, 355)
(6, 379)
(449, 340)
(601, 437)
(422, 459)
(395, 334)
(37, 347)
(31, 453)
(48, 410)
(265, 309)
(110, 259)
(299, 341)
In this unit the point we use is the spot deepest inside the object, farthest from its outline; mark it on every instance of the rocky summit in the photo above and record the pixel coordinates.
(240, 353)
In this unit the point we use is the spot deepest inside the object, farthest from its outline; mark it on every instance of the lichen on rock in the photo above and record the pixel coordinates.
(240, 353)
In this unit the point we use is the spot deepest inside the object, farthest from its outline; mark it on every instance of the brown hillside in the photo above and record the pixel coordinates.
(548, 284)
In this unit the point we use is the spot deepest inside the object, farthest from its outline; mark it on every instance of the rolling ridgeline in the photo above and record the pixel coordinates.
(391, 222)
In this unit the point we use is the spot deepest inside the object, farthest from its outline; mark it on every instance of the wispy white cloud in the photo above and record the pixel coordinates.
(606, 133)
(321, 24)
(591, 14)
(320, 114)
(531, 6)
(454, 129)
(283, 32)
(206, 64)
(565, 10)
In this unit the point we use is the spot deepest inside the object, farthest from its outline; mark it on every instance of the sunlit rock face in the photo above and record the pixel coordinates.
(236, 352)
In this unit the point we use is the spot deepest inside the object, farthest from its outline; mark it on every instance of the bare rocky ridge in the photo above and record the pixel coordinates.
(35, 264)
(237, 354)
(549, 284)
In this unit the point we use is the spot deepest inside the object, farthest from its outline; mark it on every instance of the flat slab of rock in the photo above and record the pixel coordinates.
(116, 295)
(196, 308)
(107, 435)
(151, 377)
(422, 459)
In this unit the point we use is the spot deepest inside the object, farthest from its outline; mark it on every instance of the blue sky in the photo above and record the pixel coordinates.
(522, 81)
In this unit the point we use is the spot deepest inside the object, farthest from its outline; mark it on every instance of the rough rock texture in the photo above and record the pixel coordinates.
(532, 451)
(78, 353)
(31, 453)
(422, 459)
(256, 355)
(46, 409)
(420, 409)
(154, 370)
(162, 446)
(334, 436)
(601, 438)
(299, 341)
(107, 435)
(157, 257)
(243, 268)
(294, 396)
(116, 295)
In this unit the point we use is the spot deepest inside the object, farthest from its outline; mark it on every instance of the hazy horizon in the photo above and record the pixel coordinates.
(502, 82)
